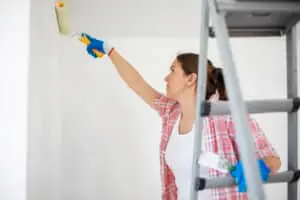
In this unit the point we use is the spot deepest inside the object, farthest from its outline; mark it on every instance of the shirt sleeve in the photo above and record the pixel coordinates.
(163, 104)
(263, 146)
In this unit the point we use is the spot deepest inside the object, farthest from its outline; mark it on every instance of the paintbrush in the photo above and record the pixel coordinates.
(64, 25)
(215, 161)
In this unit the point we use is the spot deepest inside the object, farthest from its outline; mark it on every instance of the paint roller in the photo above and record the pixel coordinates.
(64, 26)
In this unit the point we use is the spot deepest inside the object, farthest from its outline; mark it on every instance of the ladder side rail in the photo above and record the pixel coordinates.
(201, 93)
(292, 117)
(243, 135)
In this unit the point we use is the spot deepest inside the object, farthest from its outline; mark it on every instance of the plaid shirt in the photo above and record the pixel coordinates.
(219, 137)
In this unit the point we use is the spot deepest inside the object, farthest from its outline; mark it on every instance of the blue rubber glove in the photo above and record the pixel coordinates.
(238, 174)
(97, 44)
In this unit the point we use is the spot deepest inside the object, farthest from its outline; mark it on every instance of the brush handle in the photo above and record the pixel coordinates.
(86, 41)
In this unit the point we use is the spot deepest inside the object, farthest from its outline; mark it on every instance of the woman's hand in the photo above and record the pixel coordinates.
(97, 44)
(238, 174)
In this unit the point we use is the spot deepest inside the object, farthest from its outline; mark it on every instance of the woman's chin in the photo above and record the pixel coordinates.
(170, 96)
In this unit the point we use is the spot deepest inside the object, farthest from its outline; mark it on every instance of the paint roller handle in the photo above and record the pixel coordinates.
(95, 47)
(86, 41)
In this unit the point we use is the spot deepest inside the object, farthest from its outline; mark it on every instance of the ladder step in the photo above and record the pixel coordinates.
(258, 6)
(251, 31)
(288, 176)
(259, 18)
(253, 106)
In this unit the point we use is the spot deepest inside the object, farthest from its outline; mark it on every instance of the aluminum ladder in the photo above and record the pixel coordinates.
(246, 18)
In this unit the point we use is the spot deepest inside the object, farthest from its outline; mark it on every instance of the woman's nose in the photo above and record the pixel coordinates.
(166, 79)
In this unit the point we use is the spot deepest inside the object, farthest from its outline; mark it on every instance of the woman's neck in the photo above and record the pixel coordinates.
(188, 107)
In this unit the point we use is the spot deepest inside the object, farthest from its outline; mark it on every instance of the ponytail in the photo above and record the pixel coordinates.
(220, 83)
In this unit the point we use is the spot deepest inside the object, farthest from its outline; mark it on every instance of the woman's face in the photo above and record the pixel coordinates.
(177, 81)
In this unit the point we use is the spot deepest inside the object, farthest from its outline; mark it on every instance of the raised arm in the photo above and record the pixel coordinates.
(127, 72)
(133, 79)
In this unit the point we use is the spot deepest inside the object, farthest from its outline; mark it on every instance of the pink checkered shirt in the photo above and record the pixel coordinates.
(219, 137)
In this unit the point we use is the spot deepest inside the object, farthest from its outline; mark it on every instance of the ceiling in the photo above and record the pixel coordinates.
(133, 18)
(144, 18)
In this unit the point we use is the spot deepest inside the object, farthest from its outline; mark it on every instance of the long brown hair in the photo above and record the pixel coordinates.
(215, 79)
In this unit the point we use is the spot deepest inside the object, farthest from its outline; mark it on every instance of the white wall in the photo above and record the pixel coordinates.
(29, 118)
(110, 137)
(14, 50)
(44, 119)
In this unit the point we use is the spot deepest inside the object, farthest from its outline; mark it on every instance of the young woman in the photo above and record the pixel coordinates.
(178, 111)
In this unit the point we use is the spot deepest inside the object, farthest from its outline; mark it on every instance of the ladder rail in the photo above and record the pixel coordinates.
(292, 117)
(241, 121)
(201, 93)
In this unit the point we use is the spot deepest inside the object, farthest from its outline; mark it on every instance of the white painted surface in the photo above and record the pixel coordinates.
(14, 50)
(44, 119)
(133, 18)
(81, 144)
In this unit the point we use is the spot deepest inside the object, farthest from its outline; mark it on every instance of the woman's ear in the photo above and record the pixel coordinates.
(192, 80)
